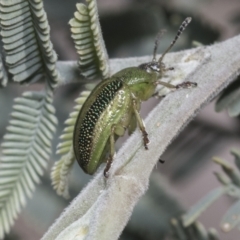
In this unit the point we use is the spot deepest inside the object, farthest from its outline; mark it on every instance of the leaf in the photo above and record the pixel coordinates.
(213, 234)
(231, 218)
(178, 229)
(230, 170)
(202, 205)
(194, 231)
(87, 36)
(26, 150)
(60, 172)
(199, 231)
(61, 168)
(26, 40)
(234, 107)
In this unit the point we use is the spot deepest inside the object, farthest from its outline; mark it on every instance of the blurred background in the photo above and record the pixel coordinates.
(129, 29)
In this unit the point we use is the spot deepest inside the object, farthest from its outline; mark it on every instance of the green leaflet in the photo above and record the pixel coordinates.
(26, 41)
(231, 218)
(61, 168)
(60, 172)
(87, 36)
(230, 180)
(201, 206)
(195, 231)
(232, 172)
(25, 152)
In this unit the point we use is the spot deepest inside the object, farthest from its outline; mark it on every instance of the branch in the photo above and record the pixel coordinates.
(103, 208)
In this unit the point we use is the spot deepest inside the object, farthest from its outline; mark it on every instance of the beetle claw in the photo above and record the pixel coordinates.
(109, 163)
(106, 173)
(145, 139)
(186, 85)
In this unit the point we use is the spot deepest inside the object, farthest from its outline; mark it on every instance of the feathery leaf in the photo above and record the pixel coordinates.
(26, 41)
(60, 172)
(87, 36)
(25, 151)
(61, 168)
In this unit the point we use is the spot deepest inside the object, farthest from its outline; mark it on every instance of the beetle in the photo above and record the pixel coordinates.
(113, 107)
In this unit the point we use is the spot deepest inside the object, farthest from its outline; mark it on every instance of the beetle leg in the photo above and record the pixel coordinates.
(186, 85)
(141, 125)
(163, 69)
(178, 86)
(112, 151)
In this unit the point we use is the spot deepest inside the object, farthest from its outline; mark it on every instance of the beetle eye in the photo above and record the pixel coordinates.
(150, 67)
(155, 67)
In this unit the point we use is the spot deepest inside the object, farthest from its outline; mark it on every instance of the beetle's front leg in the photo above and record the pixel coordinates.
(141, 124)
(183, 85)
(178, 86)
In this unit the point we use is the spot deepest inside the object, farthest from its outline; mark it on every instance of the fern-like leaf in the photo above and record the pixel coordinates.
(25, 151)
(61, 168)
(87, 36)
(60, 172)
(26, 41)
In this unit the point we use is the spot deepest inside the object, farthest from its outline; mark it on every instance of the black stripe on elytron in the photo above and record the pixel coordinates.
(85, 137)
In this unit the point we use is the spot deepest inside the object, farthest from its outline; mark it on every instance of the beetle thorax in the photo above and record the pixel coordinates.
(142, 83)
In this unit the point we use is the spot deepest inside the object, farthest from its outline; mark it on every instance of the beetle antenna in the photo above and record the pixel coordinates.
(179, 32)
(159, 35)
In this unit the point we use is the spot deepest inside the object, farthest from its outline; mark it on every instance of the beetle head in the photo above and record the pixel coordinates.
(158, 66)
(150, 67)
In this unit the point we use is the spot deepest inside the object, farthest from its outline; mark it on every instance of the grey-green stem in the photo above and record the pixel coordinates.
(102, 210)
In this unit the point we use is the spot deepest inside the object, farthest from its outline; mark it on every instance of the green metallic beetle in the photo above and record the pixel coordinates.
(113, 107)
